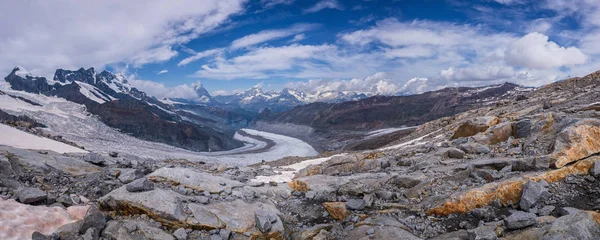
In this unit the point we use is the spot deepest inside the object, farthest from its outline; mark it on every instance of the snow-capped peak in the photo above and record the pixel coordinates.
(21, 72)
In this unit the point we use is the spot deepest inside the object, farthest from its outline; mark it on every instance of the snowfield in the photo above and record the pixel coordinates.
(75, 124)
(13, 137)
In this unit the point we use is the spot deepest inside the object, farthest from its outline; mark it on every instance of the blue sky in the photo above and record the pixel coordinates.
(377, 46)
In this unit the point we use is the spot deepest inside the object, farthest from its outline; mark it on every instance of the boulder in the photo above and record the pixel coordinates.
(595, 170)
(474, 126)
(483, 233)
(180, 234)
(519, 220)
(454, 153)
(128, 175)
(533, 193)
(337, 210)
(475, 148)
(140, 185)
(583, 225)
(192, 179)
(94, 219)
(356, 204)
(407, 180)
(30, 195)
(577, 142)
(95, 158)
(164, 206)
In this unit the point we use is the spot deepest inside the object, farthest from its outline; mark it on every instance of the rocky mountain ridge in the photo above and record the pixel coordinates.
(119, 105)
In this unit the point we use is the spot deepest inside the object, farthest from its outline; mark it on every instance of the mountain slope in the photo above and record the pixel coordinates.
(121, 106)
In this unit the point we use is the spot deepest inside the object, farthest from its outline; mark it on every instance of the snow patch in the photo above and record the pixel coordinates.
(287, 175)
(19, 139)
(19, 221)
(92, 93)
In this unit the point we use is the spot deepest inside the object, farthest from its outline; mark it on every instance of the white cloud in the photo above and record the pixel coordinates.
(324, 4)
(44, 35)
(224, 92)
(269, 35)
(162, 71)
(478, 73)
(200, 55)
(262, 62)
(298, 37)
(536, 52)
(273, 3)
(379, 83)
(409, 52)
(159, 90)
(541, 25)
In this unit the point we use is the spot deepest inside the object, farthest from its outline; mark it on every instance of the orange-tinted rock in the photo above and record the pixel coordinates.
(577, 142)
(507, 192)
(474, 126)
(337, 210)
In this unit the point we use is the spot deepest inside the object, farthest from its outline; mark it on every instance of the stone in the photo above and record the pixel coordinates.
(264, 220)
(546, 210)
(474, 126)
(483, 233)
(95, 158)
(356, 204)
(225, 234)
(113, 154)
(337, 210)
(30, 195)
(203, 199)
(128, 175)
(140, 185)
(577, 142)
(583, 225)
(153, 233)
(595, 170)
(567, 211)
(194, 180)
(38, 236)
(65, 200)
(533, 193)
(94, 218)
(407, 180)
(381, 232)
(519, 220)
(454, 153)
(180, 234)
(523, 128)
(475, 148)
(90, 234)
(161, 205)
(204, 218)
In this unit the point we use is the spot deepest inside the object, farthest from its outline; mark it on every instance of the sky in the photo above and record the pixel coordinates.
(383, 47)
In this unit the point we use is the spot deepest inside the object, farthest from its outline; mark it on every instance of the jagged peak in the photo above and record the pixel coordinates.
(20, 71)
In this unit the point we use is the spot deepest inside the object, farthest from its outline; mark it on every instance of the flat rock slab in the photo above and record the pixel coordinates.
(237, 216)
(40, 162)
(189, 178)
(162, 205)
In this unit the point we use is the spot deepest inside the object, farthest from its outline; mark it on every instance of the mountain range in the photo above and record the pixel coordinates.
(208, 123)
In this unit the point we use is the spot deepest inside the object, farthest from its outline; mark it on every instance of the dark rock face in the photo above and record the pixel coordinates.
(126, 108)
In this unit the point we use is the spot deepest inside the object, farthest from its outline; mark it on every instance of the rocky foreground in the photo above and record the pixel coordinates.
(524, 168)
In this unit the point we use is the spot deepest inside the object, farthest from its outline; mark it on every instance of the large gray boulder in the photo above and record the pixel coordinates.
(31, 195)
(519, 220)
(163, 205)
(140, 185)
(533, 193)
(579, 226)
(189, 178)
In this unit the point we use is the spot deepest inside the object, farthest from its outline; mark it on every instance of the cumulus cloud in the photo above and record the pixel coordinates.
(160, 90)
(162, 71)
(103, 32)
(535, 51)
(324, 4)
(379, 83)
(263, 62)
(269, 35)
